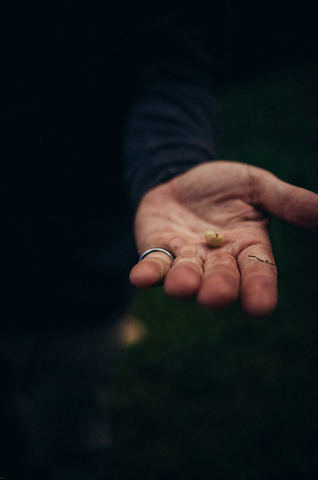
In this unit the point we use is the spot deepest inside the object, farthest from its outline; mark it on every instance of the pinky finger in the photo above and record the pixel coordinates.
(151, 271)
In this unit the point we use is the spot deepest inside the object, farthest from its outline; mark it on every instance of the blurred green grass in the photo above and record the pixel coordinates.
(217, 395)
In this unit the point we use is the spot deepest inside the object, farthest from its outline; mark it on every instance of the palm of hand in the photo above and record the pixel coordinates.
(229, 198)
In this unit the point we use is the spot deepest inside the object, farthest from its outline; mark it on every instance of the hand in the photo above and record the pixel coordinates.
(232, 199)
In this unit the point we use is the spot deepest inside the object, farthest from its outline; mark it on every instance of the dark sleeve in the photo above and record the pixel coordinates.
(176, 61)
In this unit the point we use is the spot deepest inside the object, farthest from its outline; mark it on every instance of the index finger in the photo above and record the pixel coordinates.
(258, 289)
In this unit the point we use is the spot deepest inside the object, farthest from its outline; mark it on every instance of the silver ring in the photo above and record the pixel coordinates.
(156, 250)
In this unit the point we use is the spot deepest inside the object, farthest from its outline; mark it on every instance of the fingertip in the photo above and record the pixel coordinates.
(182, 282)
(220, 284)
(258, 311)
(145, 274)
(258, 291)
(217, 295)
(260, 301)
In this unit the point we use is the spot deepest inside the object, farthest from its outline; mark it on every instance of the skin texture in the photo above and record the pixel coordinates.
(234, 200)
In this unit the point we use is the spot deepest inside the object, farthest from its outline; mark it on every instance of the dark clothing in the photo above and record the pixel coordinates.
(54, 420)
(100, 101)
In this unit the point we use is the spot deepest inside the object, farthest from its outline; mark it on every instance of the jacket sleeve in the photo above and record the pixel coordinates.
(175, 65)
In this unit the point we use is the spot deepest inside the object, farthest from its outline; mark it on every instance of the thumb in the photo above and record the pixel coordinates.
(292, 204)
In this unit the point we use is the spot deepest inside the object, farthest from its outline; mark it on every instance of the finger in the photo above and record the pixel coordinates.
(184, 277)
(292, 204)
(220, 283)
(258, 290)
(150, 271)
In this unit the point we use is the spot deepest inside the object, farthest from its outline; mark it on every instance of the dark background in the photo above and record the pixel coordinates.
(271, 37)
(218, 396)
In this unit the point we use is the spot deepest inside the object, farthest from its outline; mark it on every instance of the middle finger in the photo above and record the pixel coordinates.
(220, 282)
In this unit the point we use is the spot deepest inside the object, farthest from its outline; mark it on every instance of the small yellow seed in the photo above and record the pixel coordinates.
(213, 239)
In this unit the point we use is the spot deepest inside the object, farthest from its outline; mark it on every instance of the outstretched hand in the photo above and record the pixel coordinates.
(232, 199)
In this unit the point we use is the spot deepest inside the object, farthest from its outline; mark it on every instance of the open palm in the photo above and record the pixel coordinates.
(232, 199)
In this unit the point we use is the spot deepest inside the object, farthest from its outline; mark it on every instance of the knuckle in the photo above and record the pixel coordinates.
(188, 259)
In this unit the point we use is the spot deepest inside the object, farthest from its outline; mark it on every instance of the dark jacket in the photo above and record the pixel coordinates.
(100, 101)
